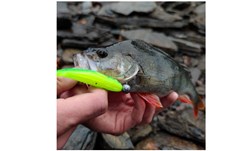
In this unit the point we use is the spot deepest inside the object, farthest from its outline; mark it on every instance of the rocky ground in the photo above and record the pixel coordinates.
(176, 27)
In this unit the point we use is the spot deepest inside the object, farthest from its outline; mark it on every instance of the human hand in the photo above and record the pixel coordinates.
(126, 111)
(90, 106)
(76, 104)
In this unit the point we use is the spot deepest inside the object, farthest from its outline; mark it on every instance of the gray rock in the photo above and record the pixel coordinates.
(106, 10)
(135, 22)
(139, 132)
(159, 13)
(62, 7)
(201, 90)
(127, 8)
(86, 7)
(115, 142)
(155, 38)
(181, 122)
(67, 55)
(201, 64)
(187, 45)
(195, 74)
(81, 139)
(77, 44)
(63, 16)
(165, 141)
(199, 20)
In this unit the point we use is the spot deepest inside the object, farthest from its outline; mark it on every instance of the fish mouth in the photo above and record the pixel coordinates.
(121, 67)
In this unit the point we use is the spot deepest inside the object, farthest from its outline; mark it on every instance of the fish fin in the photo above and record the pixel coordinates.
(151, 99)
(199, 106)
(185, 99)
(195, 112)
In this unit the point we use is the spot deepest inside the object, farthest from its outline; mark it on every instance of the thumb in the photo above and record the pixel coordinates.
(64, 84)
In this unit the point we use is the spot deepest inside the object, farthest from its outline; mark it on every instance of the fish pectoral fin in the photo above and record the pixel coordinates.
(151, 99)
(185, 99)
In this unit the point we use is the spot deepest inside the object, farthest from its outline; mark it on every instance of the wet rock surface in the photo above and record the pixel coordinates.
(81, 138)
(175, 27)
(165, 141)
(108, 141)
(177, 120)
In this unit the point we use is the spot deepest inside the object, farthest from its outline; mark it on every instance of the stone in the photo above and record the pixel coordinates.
(108, 141)
(126, 8)
(139, 132)
(199, 20)
(201, 64)
(135, 22)
(81, 139)
(186, 45)
(160, 14)
(63, 16)
(155, 38)
(201, 90)
(77, 44)
(86, 7)
(67, 55)
(165, 141)
(195, 74)
(181, 122)
(62, 7)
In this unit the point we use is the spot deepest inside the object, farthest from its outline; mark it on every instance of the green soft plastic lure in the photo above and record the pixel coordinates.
(92, 78)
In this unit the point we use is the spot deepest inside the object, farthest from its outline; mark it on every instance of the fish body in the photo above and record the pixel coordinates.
(144, 68)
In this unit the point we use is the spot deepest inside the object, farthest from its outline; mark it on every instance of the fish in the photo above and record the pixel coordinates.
(144, 70)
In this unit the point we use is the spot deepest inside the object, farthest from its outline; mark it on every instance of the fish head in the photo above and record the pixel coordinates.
(116, 65)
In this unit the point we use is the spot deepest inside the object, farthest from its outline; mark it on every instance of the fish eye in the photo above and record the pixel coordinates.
(102, 53)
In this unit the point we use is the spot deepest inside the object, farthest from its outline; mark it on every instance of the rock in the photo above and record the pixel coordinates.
(185, 45)
(160, 14)
(86, 7)
(126, 8)
(75, 8)
(63, 16)
(81, 139)
(155, 38)
(201, 90)
(77, 44)
(200, 19)
(195, 74)
(106, 10)
(165, 141)
(78, 28)
(181, 122)
(135, 22)
(201, 64)
(62, 7)
(67, 55)
(139, 132)
(107, 141)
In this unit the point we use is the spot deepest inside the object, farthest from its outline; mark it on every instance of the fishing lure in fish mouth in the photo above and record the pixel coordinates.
(92, 78)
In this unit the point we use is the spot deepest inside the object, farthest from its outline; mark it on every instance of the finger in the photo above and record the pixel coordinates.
(78, 89)
(64, 84)
(139, 108)
(80, 108)
(148, 114)
(168, 100)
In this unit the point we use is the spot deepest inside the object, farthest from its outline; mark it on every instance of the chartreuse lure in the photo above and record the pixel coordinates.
(92, 78)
